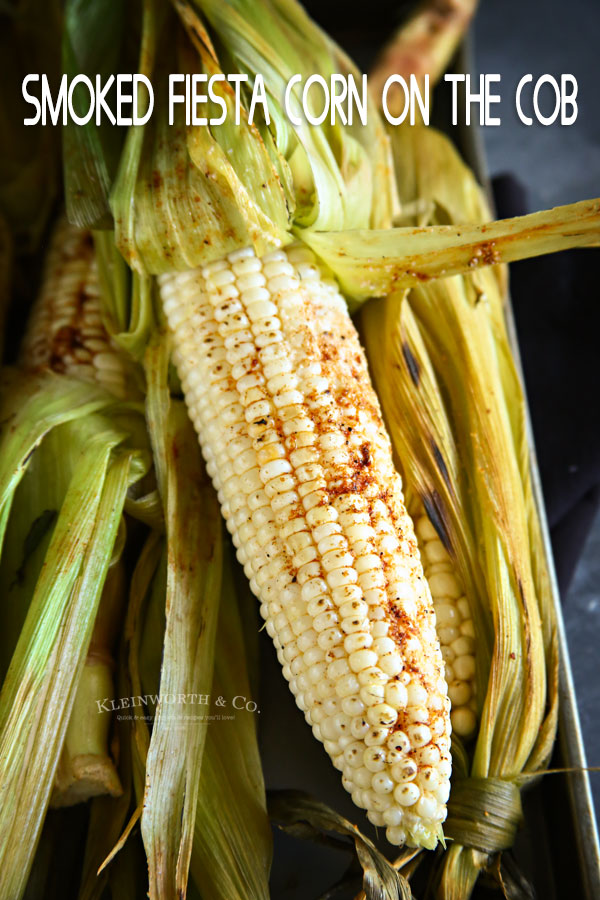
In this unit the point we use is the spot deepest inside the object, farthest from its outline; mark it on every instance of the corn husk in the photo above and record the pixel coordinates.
(458, 340)
(377, 263)
(231, 849)
(231, 855)
(108, 816)
(302, 816)
(66, 445)
(85, 768)
(192, 594)
(235, 184)
(93, 38)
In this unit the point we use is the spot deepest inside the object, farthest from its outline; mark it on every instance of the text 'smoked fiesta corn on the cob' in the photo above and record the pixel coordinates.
(278, 389)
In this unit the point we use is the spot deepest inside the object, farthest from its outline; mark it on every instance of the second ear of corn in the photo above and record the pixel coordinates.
(277, 386)
(455, 628)
(66, 332)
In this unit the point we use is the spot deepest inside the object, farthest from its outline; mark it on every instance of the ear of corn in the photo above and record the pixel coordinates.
(434, 472)
(66, 442)
(293, 439)
(454, 625)
(276, 385)
(66, 332)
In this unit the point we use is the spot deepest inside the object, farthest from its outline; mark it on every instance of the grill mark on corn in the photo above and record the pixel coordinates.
(435, 511)
(412, 364)
(318, 443)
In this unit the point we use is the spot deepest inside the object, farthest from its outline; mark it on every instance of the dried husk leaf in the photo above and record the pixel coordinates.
(301, 815)
(194, 549)
(464, 341)
(92, 42)
(42, 678)
(231, 855)
(426, 453)
(185, 195)
(108, 816)
(377, 263)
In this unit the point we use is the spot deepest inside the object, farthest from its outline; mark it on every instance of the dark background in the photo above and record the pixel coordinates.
(556, 303)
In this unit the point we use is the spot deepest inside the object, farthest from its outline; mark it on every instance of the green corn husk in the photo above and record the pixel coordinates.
(182, 202)
(167, 780)
(128, 298)
(236, 184)
(92, 44)
(112, 821)
(193, 572)
(377, 263)
(64, 442)
(231, 851)
(80, 445)
(108, 816)
(458, 344)
(85, 767)
(231, 855)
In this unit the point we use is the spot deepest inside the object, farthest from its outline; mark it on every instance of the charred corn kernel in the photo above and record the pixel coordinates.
(277, 386)
(65, 331)
(454, 625)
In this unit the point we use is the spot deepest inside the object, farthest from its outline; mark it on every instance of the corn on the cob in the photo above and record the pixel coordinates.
(278, 389)
(454, 625)
(66, 332)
